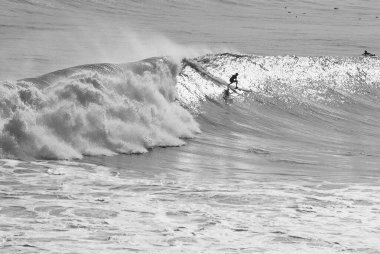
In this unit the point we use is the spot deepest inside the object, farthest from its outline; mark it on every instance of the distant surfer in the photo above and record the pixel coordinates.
(366, 53)
(233, 79)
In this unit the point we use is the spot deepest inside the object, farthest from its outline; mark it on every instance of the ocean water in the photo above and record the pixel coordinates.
(115, 136)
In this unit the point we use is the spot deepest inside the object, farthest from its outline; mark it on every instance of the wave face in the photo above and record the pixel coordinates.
(319, 112)
(287, 79)
(99, 109)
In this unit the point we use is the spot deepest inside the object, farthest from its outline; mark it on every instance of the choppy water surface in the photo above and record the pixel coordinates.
(148, 157)
(39, 36)
(180, 204)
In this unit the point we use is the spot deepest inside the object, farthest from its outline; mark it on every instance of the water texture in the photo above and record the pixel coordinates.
(115, 136)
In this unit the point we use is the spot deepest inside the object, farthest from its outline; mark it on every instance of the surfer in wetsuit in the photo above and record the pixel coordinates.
(233, 79)
(366, 53)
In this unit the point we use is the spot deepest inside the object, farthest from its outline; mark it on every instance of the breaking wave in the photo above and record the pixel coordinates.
(106, 109)
(99, 109)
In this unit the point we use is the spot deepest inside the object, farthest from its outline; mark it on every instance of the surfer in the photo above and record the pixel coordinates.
(233, 79)
(366, 53)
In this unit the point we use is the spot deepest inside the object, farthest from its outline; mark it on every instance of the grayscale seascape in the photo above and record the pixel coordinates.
(115, 136)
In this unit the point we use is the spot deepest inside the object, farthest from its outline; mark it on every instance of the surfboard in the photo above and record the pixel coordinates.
(244, 90)
(234, 90)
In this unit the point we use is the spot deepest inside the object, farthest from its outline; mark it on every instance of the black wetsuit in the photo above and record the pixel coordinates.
(233, 79)
(367, 53)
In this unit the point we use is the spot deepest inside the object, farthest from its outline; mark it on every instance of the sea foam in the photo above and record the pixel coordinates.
(99, 109)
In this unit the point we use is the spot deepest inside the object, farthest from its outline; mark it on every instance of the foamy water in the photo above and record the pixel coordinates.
(180, 203)
(147, 156)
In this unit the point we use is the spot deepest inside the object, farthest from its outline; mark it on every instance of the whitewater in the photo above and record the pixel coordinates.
(135, 149)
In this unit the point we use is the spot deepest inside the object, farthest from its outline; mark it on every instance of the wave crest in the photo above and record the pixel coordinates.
(99, 109)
